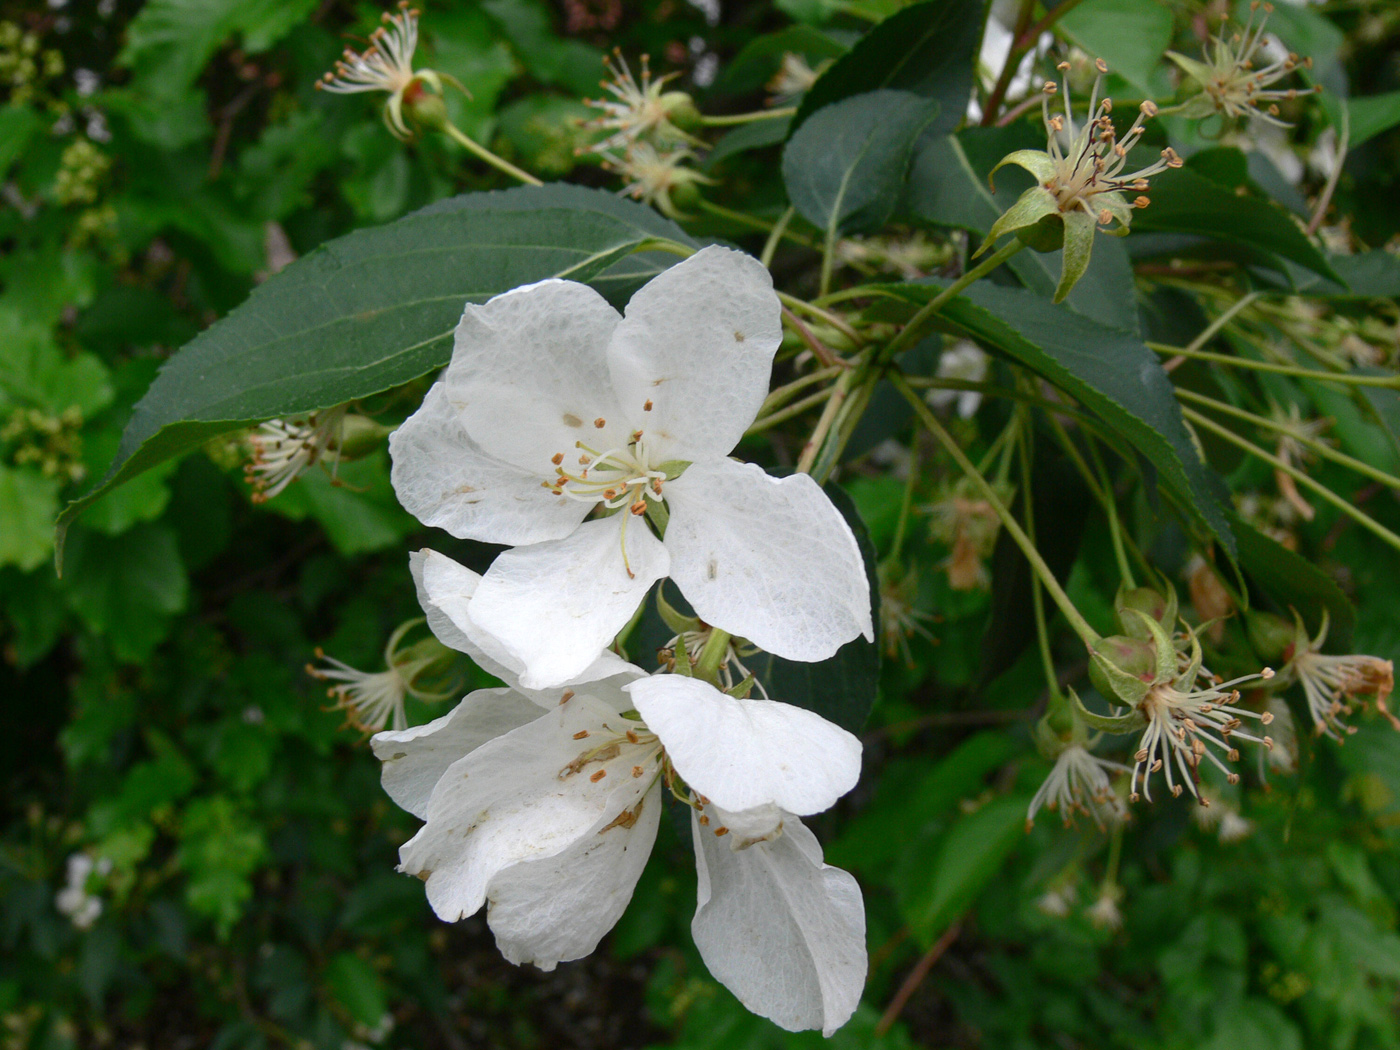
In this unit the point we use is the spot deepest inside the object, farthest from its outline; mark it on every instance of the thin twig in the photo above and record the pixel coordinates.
(916, 977)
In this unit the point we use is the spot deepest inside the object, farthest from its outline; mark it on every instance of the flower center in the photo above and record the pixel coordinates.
(618, 477)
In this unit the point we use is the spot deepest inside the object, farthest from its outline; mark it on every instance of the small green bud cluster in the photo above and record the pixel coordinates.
(52, 442)
(80, 173)
(25, 68)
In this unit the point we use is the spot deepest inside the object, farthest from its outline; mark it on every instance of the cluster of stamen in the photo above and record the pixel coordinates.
(1235, 87)
(283, 451)
(694, 642)
(1181, 722)
(1096, 157)
(1331, 684)
(635, 110)
(618, 477)
(386, 65)
(1079, 783)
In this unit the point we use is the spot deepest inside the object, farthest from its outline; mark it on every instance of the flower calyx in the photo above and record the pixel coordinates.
(1132, 604)
(1080, 188)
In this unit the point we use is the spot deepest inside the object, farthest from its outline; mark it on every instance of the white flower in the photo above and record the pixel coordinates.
(1079, 783)
(283, 450)
(554, 406)
(1104, 912)
(964, 360)
(637, 110)
(1333, 684)
(547, 817)
(372, 700)
(82, 907)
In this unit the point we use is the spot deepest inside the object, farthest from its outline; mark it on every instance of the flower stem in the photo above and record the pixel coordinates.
(707, 664)
(1320, 447)
(747, 118)
(775, 235)
(1042, 633)
(1008, 521)
(906, 504)
(835, 320)
(1360, 517)
(763, 423)
(912, 331)
(475, 148)
(1210, 330)
(1391, 382)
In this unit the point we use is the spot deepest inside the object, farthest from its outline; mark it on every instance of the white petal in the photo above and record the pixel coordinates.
(445, 590)
(781, 930)
(531, 368)
(445, 480)
(416, 758)
(555, 910)
(743, 754)
(768, 559)
(557, 605)
(507, 802)
(697, 342)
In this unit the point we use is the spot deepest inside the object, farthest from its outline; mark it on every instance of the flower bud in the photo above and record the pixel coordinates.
(423, 107)
(1150, 603)
(1123, 667)
(360, 436)
(680, 110)
(1274, 638)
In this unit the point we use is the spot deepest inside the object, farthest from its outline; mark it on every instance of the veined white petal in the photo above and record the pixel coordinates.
(777, 927)
(523, 796)
(445, 590)
(697, 344)
(768, 559)
(445, 480)
(743, 754)
(530, 367)
(557, 605)
(416, 758)
(557, 909)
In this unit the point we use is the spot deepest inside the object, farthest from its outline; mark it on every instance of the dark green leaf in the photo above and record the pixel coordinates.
(844, 169)
(356, 987)
(1185, 202)
(1291, 580)
(1368, 117)
(969, 857)
(372, 310)
(1385, 403)
(756, 135)
(1108, 370)
(948, 187)
(28, 501)
(841, 689)
(17, 124)
(927, 49)
(1367, 275)
(127, 588)
(1130, 35)
(761, 57)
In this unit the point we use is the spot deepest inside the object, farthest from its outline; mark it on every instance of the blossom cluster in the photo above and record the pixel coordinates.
(595, 446)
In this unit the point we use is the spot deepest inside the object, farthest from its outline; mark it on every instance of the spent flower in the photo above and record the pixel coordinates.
(1079, 782)
(1333, 684)
(1232, 83)
(372, 700)
(639, 110)
(1080, 187)
(387, 65)
(657, 178)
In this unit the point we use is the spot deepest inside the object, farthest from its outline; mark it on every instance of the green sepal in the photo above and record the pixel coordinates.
(683, 664)
(1122, 668)
(359, 436)
(1036, 161)
(741, 690)
(659, 515)
(1079, 229)
(1047, 235)
(1032, 206)
(1130, 722)
(672, 617)
(1163, 608)
(1197, 71)
(1165, 649)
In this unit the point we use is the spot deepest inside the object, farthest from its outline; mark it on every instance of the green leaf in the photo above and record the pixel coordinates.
(845, 168)
(1130, 35)
(1366, 275)
(17, 125)
(126, 588)
(28, 502)
(358, 511)
(969, 857)
(353, 984)
(1185, 202)
(948, 187)
(841, 689)
(1108, 370)
(570, 64)
(1292, 581)
(1385, 403)
(756, 135)
(375, 309)
(928, 49)
(762, 56)
(1367, 117)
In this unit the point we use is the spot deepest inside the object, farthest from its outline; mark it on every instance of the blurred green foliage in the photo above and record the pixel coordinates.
(158, 161)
